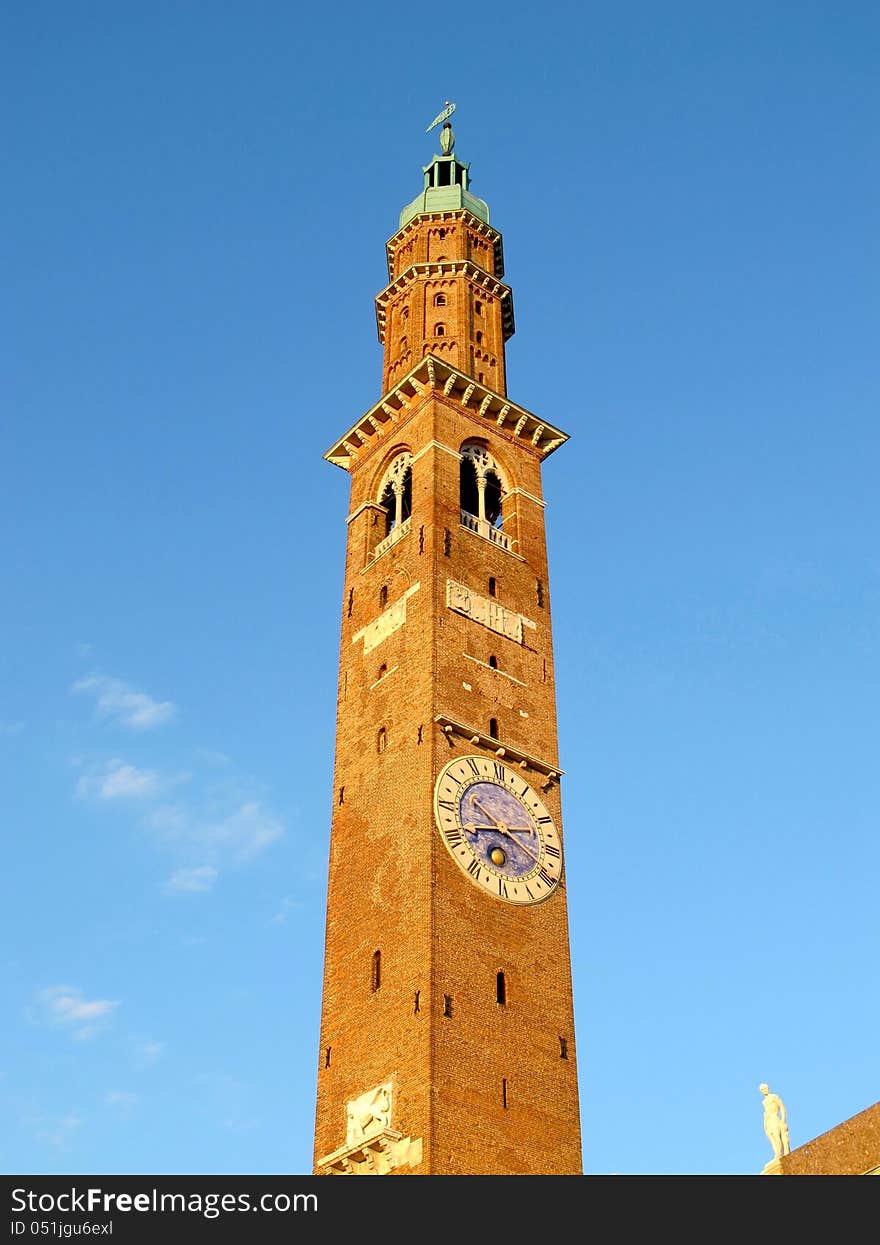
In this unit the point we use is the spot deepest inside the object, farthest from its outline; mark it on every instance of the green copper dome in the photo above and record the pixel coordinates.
(446, 182)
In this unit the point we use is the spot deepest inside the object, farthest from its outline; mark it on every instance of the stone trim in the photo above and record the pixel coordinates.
(436, 445)
(525, 760)
(432, 375)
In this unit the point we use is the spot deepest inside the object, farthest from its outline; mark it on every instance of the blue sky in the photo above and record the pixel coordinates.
(197, 199)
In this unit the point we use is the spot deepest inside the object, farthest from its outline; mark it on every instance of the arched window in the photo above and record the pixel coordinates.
(395, 491)
(439, 330)
(479, 337)
(439, 300)
(482, 485)
(478, 308)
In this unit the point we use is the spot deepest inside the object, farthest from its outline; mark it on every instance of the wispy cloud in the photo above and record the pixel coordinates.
(287, 905)
(66, 1007)
(57, 1130)
(197, 878)
(118, 780)
(234, 838)
(148, 1051)
(122, 1099)
(116, 700)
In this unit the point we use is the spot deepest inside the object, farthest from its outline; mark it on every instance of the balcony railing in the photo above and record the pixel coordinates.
(392, 538)
(485, 529)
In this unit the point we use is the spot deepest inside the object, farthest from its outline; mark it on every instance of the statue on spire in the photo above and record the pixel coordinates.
(447, 137)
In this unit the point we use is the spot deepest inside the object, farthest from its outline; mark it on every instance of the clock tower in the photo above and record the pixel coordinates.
(447, 1040)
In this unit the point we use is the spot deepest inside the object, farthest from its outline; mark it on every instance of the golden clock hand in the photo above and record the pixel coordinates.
(521, 846)
(484, 811)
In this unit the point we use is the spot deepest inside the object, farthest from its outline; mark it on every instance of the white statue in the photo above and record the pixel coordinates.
(368, 1114)
(775, 1122)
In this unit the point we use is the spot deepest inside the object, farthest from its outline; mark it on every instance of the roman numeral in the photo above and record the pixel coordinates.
(502, 888)
(453, 836)
(552, 851)
(545, 877)
(498, 770)
(473, 766)
(447, 804)
(474, 869)
(544, 821)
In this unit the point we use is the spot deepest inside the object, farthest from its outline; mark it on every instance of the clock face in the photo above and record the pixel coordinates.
(498, 830)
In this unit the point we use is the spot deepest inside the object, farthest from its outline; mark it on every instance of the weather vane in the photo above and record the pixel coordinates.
(447, 138)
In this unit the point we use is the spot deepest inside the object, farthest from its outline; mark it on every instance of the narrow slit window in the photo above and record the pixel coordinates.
(493, 728)
(478, 308)
(493, 587)
(416, 1004)
(350, 601)
(563, 1048)
(504, 1092)
(376, 971)
(539, 591)
(493, 662)
(383, 596)
(479, 336)
(447, 1004)
(500, 989)
(342, 795)
(382, 739)
(327, 1057)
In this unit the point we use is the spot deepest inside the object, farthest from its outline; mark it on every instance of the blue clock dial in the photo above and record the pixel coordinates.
(498, 830)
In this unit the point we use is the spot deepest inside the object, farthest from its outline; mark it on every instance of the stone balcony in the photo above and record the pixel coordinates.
(484, 528)
(392, 538)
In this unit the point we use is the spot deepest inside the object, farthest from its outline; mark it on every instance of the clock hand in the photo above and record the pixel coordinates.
(484, 811)
(503, 830)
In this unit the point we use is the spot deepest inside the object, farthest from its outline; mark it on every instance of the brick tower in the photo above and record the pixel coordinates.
(447, 1028)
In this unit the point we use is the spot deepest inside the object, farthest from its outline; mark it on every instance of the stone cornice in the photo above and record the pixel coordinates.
(499, 747)
(433, 376)
(448, 268)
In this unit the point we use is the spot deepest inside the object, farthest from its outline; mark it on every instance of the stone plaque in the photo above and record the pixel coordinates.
(388, 622)
(484, 610)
